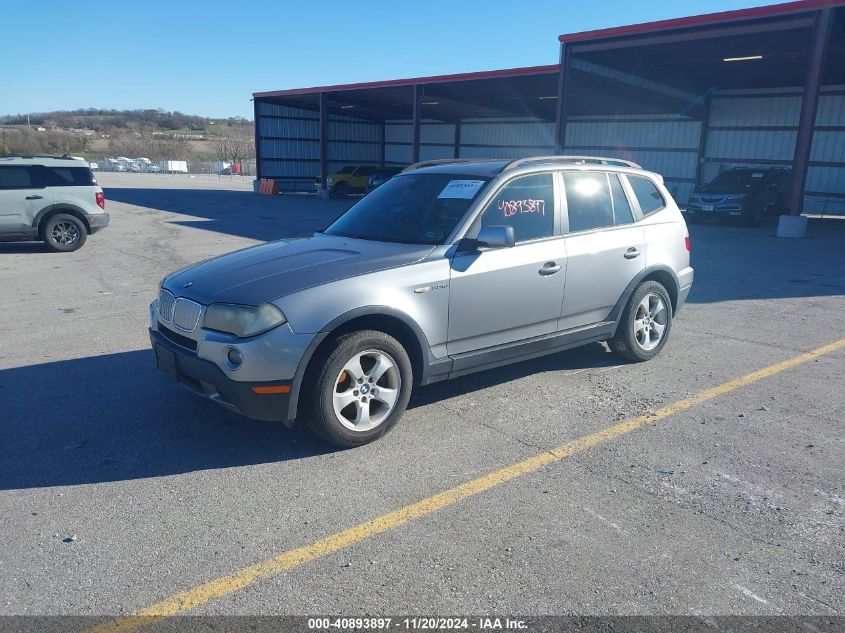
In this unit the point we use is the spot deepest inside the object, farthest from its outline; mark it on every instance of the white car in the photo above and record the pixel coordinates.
(53, 200)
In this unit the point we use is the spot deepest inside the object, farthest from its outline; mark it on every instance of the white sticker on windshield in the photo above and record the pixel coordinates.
(465, 189)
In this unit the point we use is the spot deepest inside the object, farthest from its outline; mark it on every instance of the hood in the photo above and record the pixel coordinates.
(725, 191)
(263, 273)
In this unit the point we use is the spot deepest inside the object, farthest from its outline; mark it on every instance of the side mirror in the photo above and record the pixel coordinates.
(496, 237)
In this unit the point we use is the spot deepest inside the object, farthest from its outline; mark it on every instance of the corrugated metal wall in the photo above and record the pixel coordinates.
(506, 138)
(479, 138)
(662, 143)
(289, 144)
(760, 127)
(745, 127)
(437, 140)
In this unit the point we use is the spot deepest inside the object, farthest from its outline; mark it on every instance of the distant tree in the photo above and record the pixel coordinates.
(130, 145)
(234, 149)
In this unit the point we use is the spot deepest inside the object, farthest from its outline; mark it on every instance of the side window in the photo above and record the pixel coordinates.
(588, 200)
(647, 194)
(527, 204)
(17, 177)
(622, 213)
(69, 176)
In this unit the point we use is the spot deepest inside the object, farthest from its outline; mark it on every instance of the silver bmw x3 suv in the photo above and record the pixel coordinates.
(448, 268)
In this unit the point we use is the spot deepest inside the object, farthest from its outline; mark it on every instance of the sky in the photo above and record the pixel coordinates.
(207, 57)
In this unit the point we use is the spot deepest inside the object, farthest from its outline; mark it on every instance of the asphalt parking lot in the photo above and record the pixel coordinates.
(119, 489)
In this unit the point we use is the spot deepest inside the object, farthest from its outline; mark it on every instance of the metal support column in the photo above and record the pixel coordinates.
(809, 105)
(457, 152)
(702, 140)
(324, 132)
(562, 91)
(417, 115)
(257, 139)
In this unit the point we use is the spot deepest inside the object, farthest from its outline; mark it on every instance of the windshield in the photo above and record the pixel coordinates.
(411, 209)
(346, 170)
(736, 180)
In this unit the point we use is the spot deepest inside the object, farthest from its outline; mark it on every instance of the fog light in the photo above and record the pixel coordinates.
(234, 358)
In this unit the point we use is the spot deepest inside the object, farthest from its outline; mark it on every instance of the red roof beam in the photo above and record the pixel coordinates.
(434, 79)
(707, 19)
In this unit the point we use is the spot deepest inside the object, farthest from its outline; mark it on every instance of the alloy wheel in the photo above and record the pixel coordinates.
(650, 321)
(65, 233)
(366, 390)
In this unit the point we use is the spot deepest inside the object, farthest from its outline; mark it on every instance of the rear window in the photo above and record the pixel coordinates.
(69, 176)
(647, 194)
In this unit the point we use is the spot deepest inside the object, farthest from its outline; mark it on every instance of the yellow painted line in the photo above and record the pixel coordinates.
(219, 587)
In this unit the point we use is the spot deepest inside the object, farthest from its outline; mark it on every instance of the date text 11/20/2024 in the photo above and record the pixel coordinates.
(416, 623)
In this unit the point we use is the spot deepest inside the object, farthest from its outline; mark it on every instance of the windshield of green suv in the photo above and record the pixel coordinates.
(411, 209)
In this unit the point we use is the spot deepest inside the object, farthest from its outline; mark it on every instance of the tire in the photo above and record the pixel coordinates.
(338, 397)
(64, 233)
(629, 341)
(693, 218)
(754, 216)
(342, 189)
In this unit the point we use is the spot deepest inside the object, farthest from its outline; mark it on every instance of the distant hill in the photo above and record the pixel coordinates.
(115, 121)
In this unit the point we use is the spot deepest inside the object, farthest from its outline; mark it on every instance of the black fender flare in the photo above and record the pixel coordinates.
(62, 206)
(616, 312)
(356, 313)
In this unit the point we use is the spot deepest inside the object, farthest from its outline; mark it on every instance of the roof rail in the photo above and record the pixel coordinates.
(30, 156)
(583, 160)
(442, 161)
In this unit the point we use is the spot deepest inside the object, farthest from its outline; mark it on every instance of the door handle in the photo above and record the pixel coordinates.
(632, 252)
(35, 197)
(549, 268)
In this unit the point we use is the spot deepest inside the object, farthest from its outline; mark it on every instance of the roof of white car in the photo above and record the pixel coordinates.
(493, 167)
(47, 161)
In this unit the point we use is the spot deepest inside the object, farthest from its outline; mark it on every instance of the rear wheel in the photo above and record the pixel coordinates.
(645, 324)
(361, 388)
(64, 233)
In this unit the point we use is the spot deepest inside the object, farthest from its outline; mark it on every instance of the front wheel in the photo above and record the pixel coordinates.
(645, 325)
(754, 215)
(361, 388)
(342, 189)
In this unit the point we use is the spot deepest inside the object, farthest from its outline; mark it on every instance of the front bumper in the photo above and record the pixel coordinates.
(97, 221)
(722, 209)
(685, 278)
(207, 379)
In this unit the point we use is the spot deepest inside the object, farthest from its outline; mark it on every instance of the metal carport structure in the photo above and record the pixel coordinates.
(685, 97)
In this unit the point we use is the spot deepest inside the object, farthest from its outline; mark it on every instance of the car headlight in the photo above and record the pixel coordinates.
(329, 180)
(242, 321)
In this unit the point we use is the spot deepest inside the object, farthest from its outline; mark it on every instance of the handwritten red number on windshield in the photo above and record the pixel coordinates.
(511, 207)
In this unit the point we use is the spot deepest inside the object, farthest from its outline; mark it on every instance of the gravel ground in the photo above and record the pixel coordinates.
(118, 488)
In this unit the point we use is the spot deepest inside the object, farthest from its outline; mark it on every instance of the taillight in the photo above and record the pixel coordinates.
(101, 201)
(687, 244)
